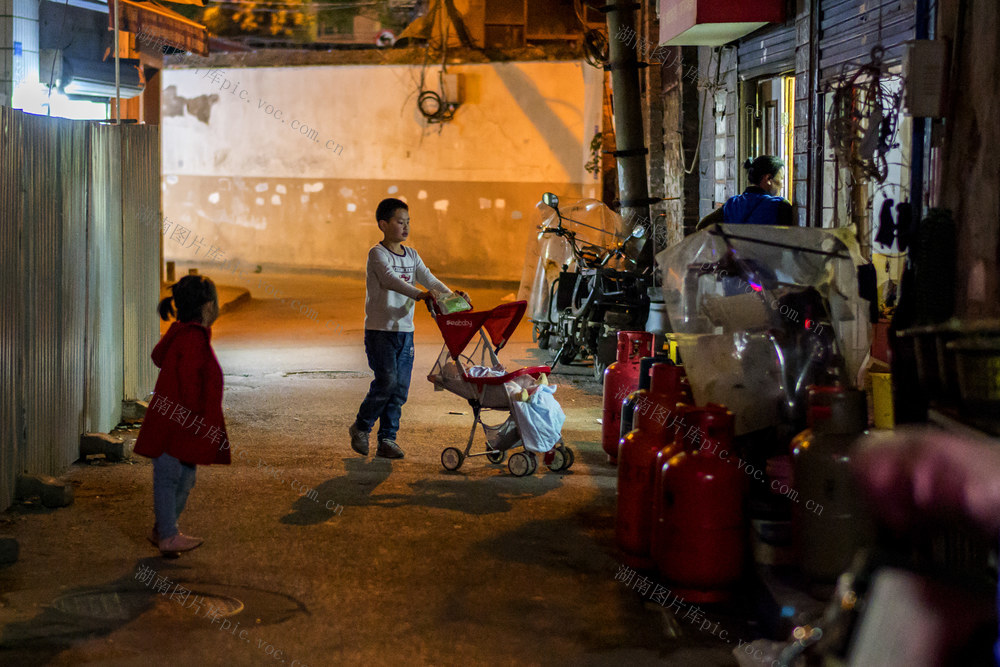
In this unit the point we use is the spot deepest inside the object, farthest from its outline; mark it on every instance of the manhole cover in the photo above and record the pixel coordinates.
(328, 375)
(126, 605)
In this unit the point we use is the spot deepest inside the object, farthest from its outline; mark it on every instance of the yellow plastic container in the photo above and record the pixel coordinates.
(672, 350)
(882, 400)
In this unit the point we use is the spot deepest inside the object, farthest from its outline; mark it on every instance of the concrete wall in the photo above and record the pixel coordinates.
(284, 166)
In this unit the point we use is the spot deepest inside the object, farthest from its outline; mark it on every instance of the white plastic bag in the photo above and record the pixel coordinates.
(539, 419)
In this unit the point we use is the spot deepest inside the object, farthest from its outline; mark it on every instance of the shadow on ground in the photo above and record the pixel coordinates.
(474, 496)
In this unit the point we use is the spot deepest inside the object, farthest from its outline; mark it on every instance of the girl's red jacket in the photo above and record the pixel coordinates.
(184, 419)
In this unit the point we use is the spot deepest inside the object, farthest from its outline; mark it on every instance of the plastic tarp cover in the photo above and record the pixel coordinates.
(539, 419)
(760, 312)
(546, 254)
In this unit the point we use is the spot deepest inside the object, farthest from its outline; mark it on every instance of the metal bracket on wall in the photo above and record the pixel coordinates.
(609, 67)
(630, 152)
(639, 203)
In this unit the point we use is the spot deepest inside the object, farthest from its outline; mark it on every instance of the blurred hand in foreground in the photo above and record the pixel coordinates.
(922, 476)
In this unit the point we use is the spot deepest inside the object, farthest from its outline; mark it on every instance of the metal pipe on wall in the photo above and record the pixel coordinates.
(817, 111)
(630, 143)
(917, 141)
(118, 92)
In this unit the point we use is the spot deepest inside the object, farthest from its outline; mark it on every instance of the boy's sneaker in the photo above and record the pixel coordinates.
(388, 449)
(175, 544)
(359, 440)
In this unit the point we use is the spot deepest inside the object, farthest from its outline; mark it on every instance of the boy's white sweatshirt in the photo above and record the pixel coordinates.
(391, 288)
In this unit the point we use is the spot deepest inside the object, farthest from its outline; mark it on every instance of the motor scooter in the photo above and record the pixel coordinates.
(582, 281)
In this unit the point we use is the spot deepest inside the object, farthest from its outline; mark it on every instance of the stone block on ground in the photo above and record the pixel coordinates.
(113, 449)
(48, 489)
(9, 550)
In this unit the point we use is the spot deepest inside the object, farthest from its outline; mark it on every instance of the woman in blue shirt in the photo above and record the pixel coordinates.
(760, 203)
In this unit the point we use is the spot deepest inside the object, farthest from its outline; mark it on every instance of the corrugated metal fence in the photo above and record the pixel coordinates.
(79, 281)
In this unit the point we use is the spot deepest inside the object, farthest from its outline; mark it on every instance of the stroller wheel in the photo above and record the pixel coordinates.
(496, 456)
(570, 458)
(558, 459)
(452, 458)
(534, 462)
(519, 465)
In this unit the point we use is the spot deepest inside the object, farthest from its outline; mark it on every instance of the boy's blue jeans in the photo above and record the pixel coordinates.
(390, 356)
(172, 481)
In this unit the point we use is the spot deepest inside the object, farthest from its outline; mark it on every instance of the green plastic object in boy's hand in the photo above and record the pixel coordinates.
(451, 302)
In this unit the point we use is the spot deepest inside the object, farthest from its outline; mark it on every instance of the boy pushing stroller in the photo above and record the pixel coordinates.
(390, 296)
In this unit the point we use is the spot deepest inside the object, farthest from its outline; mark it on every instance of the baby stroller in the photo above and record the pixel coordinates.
(479, 378)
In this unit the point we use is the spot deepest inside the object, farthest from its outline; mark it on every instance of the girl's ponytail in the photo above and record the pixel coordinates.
(166, 308)
(190, 293)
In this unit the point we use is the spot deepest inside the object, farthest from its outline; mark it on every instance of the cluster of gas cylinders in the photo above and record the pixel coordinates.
(682, 486)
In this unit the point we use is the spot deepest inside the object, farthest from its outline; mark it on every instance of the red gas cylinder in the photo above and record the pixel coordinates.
(621, 378)
(701, 543)
(680, 437)
(636, 456)
(628, 405)
(686, 386)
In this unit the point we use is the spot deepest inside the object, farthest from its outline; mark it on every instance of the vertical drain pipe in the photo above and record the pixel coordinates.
(630, 145)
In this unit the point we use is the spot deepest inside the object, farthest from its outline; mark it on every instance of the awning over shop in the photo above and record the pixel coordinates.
(155, 24)
(715, 22)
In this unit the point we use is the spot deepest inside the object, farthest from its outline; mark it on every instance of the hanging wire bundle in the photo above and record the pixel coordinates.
(863, 119)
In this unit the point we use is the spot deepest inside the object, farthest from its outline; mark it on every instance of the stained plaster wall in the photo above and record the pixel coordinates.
(242, 176)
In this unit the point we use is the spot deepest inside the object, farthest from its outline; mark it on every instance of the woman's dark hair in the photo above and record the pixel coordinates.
(190, 293)
(759, 167)
(387, 207)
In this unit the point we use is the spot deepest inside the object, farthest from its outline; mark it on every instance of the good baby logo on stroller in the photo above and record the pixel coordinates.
(535, 420)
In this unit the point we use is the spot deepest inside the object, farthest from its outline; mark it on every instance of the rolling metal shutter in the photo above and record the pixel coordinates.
(850, 29)
(768, 51)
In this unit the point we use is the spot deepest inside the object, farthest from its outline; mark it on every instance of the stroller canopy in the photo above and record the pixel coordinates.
(500, 322)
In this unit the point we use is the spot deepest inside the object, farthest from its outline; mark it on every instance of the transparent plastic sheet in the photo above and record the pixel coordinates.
(546, 254)
(761, 312)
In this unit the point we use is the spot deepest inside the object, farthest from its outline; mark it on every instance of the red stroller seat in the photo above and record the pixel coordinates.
(478, 377)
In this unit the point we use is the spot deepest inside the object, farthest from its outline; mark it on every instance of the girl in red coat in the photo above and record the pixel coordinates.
(184, 425)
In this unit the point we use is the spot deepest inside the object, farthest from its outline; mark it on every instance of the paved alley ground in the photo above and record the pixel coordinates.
(394, 563)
